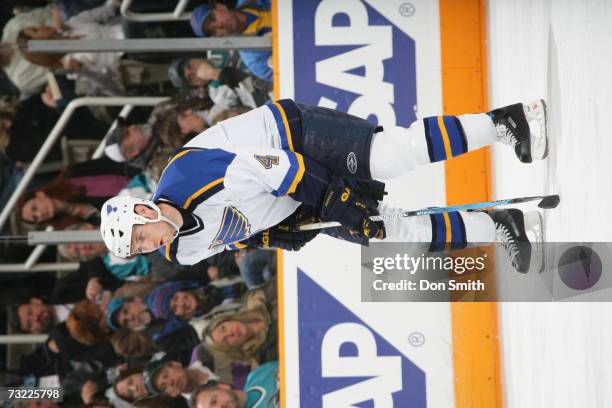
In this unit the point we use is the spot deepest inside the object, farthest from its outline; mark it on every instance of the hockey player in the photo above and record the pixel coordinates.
(252, 179)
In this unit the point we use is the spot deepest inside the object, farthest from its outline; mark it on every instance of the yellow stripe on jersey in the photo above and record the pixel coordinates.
(299, 175)
(202, 191)
(286, 125)
(176, 156)
(168, 253)
(445, 139)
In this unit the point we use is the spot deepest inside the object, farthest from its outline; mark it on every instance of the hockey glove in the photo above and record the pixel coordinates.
(276, 237)
(286, 234)
(343, 204)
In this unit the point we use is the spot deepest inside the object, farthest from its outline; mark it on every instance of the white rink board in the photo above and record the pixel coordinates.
(334, 265)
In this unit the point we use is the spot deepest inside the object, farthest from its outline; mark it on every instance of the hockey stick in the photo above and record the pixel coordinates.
(546, 202)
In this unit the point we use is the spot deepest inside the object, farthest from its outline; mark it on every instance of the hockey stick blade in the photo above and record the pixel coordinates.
(551, 201)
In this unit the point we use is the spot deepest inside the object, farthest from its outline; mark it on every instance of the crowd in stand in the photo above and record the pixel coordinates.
(140, 331)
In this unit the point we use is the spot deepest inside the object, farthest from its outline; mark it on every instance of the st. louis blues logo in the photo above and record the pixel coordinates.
(110, 209)
(267, 161)
(234, 227)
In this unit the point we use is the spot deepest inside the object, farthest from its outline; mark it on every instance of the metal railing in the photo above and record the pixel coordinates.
(153, 45)
(177, 15)
(23, 338)
(29, 264)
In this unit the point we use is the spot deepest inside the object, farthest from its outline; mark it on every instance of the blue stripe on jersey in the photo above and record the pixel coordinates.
(292, 172)
(280, 124)
(456, 135)
(234, 227)
(193, 176)
(434, 139)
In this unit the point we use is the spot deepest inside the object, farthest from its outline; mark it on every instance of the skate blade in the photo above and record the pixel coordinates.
(534, 229)
(536, 115)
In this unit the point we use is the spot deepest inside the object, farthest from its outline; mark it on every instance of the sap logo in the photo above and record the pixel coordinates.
(376, 95)
(385, 372)
(362, 64)
(343, 363)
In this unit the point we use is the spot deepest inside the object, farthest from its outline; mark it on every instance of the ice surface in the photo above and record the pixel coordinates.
(557, 355)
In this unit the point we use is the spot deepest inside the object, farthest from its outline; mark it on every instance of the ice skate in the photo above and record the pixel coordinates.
(510, 234)
(523, 126)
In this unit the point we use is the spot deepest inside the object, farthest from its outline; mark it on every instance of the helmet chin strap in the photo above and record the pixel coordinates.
(161, 217)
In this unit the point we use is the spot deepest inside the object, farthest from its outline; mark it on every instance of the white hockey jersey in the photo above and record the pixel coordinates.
(233, 181)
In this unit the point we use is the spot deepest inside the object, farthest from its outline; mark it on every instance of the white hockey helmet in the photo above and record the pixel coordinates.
(118, 218)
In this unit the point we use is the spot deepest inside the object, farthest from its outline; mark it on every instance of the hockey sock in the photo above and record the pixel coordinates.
(396, 150)
(453, 229)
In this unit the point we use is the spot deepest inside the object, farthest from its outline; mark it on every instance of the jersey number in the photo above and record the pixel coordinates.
(267, 161)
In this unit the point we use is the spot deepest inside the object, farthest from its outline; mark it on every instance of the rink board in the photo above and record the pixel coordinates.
(391, 62)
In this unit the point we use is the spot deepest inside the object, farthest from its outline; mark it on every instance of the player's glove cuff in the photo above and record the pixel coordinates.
(277, 237)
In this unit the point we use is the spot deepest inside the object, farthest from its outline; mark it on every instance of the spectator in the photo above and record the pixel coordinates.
(133, 314)
(29, 78)
(129, 386)
(132, 269)
(249, 334)
(36, 316)
(167, 376)
(134, 143)
(87, 324)
(260, 390)
(239, 336)
(230, 113)
(133, 344)
(182, 121)
(248, 18)
(92, 281)
(94, 24)
(188, 299)
(129, 390)
(59, 354)
(82, 251)
(198, 72)
(75, 195)
(68, 200)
